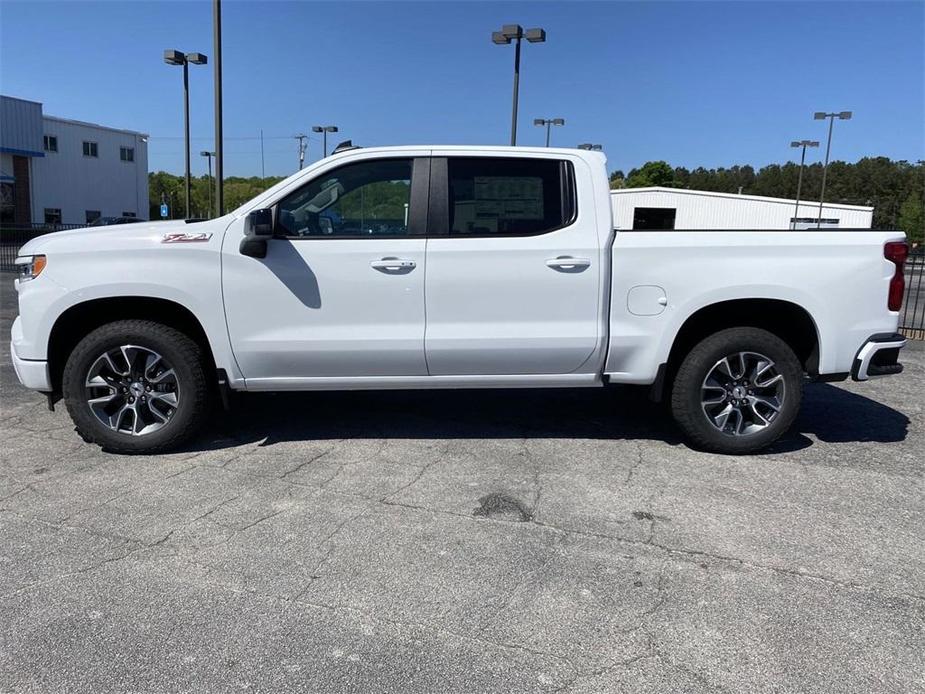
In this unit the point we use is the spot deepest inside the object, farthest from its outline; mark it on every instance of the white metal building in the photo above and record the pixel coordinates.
(59, 171)
(676, 208)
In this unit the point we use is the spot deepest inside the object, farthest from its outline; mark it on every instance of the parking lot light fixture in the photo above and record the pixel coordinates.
(217, 86)
(514, 33)
(804, 144)
(324, 130)
(548, 123)
(822, 115)
(175, 57)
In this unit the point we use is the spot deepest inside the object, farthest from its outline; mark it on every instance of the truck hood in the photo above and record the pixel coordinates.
(116, 236)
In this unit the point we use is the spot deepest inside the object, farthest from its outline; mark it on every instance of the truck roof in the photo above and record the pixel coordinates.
(494, 149)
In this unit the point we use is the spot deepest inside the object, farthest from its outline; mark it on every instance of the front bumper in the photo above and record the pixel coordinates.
(879, 356)
(32, 374)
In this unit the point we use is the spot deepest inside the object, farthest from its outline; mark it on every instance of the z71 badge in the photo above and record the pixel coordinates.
(187, 237)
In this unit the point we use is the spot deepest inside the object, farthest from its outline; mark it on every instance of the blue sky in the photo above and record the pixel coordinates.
(693, 83)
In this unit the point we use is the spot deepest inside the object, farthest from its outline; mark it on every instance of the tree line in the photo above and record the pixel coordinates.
(895, 189)
(165, 187)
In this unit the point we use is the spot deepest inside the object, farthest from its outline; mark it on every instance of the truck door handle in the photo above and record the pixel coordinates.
(393, 264)
(567, 262)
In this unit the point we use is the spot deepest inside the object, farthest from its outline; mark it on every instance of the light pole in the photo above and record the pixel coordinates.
(219, 148)
(590, 147)
(804, 144)
(821, 115)
(548, 123)
(173, 57)
(515, 32)
(301, 138)
(209, 155)
(325, 129)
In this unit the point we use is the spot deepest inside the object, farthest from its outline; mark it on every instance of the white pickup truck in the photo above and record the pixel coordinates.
(448, 267)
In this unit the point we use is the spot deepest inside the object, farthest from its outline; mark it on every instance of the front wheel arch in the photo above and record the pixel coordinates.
(80, 320)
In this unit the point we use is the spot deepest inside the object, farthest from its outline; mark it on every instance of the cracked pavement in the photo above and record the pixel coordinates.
(509, 541)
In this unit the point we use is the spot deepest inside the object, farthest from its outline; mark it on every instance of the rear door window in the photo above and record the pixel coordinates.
(495, 196)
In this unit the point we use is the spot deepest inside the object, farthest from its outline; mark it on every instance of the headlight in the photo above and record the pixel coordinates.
(29, 266)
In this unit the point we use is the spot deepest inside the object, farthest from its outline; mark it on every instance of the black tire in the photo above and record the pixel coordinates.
(686, 394)
(182, 354)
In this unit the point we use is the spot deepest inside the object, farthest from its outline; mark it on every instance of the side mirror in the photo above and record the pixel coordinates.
(258, 227)
(259, 223)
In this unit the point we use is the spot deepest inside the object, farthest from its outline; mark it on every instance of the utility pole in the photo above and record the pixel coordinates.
(301, 138)
(263, 169)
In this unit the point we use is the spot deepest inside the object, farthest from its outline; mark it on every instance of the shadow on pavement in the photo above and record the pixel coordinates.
(835, 415)
(831, 414)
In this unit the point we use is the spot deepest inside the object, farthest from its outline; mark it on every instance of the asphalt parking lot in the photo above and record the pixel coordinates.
(510, 541)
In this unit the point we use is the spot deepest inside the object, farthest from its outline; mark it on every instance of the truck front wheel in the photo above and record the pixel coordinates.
(737, 391)
(136, 386)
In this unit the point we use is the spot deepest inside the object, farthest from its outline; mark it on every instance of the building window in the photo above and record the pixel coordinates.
(660, 218)
(51, 143)
(92, 215)
(508, 197)
(52, 215)
(90, 149)
(129, 214)
(7, 204)
(127, 153)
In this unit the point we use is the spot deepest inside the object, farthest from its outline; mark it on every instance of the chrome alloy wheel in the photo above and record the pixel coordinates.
(742, 394)
(132, 390)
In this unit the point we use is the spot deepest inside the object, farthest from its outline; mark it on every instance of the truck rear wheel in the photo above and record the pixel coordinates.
(737, 391)
(136, 386)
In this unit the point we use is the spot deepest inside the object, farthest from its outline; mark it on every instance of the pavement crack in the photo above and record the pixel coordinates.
(213, 509)
(328, 540)
(259, 520)
(343, 466)
(308, 462)
(419, 475)
(635, 466)
(501, 645)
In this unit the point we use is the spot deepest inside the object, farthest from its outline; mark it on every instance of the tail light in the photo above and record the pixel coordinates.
(896, 252)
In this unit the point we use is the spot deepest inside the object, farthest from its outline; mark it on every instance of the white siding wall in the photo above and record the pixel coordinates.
(68, 180)
(704, 210)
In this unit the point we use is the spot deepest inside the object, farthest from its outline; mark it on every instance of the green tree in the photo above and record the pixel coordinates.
(912, 218)
(652, 173)
(616, 179)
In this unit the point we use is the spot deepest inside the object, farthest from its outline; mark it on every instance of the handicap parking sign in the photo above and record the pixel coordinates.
(164, 210)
